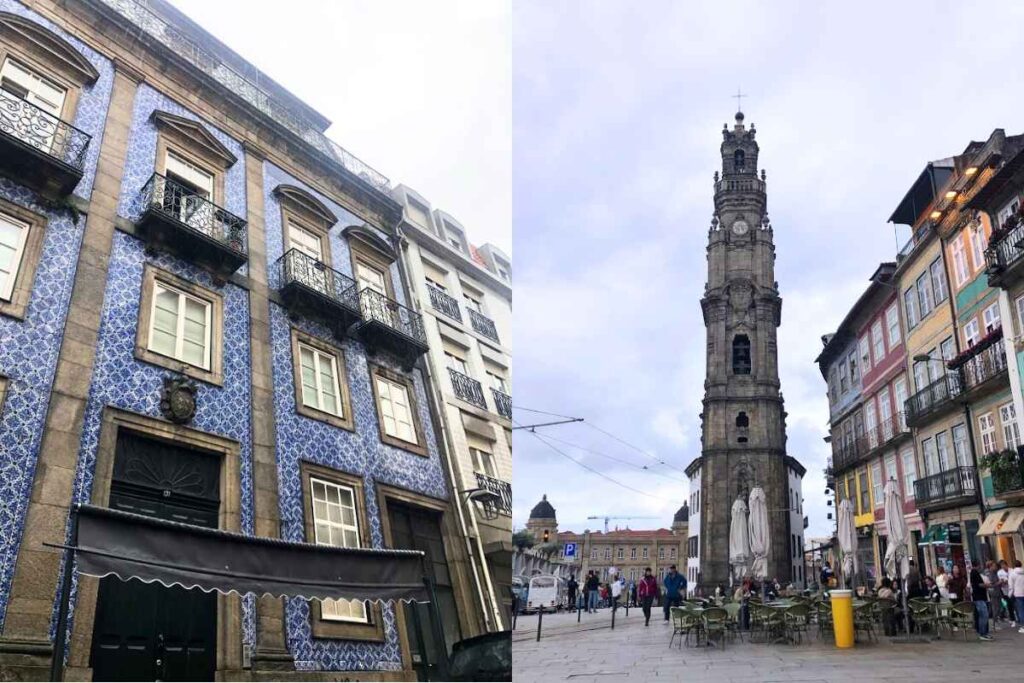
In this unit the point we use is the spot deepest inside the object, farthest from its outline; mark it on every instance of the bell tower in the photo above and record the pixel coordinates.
(743, 435)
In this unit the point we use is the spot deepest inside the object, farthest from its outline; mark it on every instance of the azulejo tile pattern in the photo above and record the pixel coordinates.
(120, 380)
(360, 453)
(94, 101)
(28, 356)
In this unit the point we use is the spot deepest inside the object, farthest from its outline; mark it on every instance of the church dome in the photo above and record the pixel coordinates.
(682, 514)
(543, 509)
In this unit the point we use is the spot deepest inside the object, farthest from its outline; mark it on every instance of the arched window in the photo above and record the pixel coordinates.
(741, 355)
(739, 162)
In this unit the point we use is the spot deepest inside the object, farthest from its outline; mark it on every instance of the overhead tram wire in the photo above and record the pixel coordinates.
(598, 473)
(636, 448)
(642, 468)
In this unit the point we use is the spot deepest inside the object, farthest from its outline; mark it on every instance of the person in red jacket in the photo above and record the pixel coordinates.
(646, 591)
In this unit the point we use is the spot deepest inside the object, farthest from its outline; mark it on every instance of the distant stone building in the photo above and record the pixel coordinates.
(744, 419)
(542, 523)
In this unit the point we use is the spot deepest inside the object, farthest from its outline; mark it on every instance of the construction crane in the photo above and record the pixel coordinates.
(607, 517)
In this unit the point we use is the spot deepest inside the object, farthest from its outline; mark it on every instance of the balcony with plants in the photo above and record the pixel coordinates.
(1007, 470)
(177, 219)
(983, 365)
(311, 288)
(39, 150)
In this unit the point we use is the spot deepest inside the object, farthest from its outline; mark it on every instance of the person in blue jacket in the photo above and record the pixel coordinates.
(675, 587)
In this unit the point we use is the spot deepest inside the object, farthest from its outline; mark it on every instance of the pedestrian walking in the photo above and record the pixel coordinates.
(1016, 583)
(1004, 584)
(995, 593)
(674, 582)
(571, 588)
(979, 595)
(592, 586)
(646, 592)
(615, 592)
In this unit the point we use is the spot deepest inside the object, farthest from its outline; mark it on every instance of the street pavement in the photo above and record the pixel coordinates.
(591, 652)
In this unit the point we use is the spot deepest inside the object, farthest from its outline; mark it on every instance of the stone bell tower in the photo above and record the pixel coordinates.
(743, 420)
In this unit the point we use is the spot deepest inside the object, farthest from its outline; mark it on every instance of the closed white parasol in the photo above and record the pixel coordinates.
(847, 533)
(760, 543)
(739, 540)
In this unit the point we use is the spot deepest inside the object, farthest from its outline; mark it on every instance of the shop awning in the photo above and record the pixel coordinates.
(1002, 522)
(112, 542)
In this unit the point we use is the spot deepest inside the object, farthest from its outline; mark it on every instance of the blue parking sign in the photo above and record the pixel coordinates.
(570, 550)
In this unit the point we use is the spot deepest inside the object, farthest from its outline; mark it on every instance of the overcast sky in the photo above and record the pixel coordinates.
(617, 119)
(418, 90)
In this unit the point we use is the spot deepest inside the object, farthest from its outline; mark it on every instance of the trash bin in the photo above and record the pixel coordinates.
(842, 617)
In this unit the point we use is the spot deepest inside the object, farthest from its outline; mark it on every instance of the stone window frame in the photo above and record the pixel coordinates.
(373, 629)
(308, 212)
(362, 249)
(419, 448)
(347, 418)
(191, 141)
(31, 253)
(47, 54)
(229, 607)
(215, 375)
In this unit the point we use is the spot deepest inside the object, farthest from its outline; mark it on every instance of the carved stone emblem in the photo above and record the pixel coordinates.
(178, 399)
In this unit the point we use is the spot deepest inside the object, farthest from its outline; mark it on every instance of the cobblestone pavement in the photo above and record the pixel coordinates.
(591, 652)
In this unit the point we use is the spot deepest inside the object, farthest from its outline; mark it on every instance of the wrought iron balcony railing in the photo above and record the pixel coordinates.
(887, 430)
(499, 487)
(845, 455)
(1004, 252)
(936, 396)
(42, 130)
(379, 308)
(314, 285)
(445, 303)
(194, 212)
(484, 325)
(503, 402)
(467, 388)
(987, 364)
(740, 184)
(945, 487)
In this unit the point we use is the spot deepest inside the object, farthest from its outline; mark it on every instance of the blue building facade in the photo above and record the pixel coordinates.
(159, 264)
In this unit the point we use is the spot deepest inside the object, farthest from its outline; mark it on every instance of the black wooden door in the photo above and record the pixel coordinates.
(415, 528)
(149, 631)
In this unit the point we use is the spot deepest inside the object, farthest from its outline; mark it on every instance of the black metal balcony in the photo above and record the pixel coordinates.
(503, 402)
(484, 325)
(499, 487)
(846, 455)
(467, 388)
(946, 489)
(984, 366)
(1005, 253)
(445, 303)
(938, 396)
(887, 432)
(388, 325)
(39, 150)
(312, 288)
(176, 219)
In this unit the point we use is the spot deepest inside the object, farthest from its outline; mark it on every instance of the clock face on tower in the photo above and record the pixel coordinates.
(740, 227)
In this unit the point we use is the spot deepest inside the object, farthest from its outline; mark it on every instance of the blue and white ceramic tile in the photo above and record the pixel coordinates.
(95, 98)
(121, 381)
(360, 452)
(28, 356)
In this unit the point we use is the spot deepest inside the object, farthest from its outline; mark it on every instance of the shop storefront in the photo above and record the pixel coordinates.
(1002, 530)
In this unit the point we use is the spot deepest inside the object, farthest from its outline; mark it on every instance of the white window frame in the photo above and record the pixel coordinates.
(179, 334)
(1019, 304)
(979, 242)
(329, 608)
(877, 483)
(483, 462)
(1008, 210)
(987, 433)
(960, 270)
(7, 285)
(961, 449)
(392, 386)
(871, 422)
(318, 388)
(938, 273)
(865, 354)
(942, 449)
(931, 456)
(910, 305)
(892, 322)
(1008, 419)
(972, 333)
(991, 317)
(899, 389)
(877, 342)
(644, 553)
(909, 472)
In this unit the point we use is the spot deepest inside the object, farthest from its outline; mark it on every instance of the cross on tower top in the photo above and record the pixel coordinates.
(739, 100)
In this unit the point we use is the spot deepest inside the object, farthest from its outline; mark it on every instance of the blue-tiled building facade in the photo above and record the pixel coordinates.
(87, 402)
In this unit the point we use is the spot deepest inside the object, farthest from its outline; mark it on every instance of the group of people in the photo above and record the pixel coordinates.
(995, 589)
(593, 594)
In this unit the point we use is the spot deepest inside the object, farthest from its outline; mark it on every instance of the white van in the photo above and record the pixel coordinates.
(543, 593)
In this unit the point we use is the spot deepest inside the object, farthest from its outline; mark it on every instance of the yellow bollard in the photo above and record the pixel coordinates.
(842, 617)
